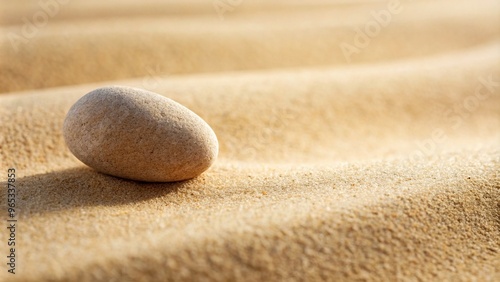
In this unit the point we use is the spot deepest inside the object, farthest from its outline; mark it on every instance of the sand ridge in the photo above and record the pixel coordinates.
(98, 50)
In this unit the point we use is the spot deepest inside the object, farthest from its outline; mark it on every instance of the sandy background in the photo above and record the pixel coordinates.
(383, 165)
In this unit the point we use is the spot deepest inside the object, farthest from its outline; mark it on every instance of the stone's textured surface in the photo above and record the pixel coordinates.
(137, 134)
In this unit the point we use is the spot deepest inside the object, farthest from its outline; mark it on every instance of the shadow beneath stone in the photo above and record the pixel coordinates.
(81, 187)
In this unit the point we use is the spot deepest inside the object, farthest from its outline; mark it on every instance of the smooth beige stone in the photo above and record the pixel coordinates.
(140, 135)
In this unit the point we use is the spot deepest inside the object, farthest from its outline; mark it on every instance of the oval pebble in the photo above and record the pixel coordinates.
(140, 135)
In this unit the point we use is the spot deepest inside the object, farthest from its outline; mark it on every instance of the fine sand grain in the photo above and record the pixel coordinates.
(383, 166)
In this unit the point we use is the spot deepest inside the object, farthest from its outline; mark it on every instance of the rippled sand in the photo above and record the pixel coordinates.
(350, 149)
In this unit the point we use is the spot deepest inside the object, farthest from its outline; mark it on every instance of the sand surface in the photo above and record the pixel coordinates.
(379, 166)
